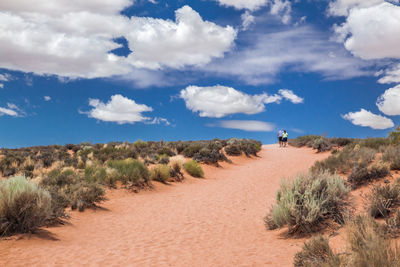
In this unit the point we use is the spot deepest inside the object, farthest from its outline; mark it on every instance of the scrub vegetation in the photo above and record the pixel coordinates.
(304, 204)
(40, 183)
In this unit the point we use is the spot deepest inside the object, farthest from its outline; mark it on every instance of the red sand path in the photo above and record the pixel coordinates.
(217, 221)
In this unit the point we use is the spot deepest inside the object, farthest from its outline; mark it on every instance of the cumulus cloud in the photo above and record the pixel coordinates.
(244, 4)
(1, 85)
(343, 7)
(188, 41)
(74, 40)
(292, 97)
(59, 7)
(11, 110)
(368, 119)
(219, 101)
(247, 20)
(246, 125)
(391, 75)
(389, 102)
(267, 53)
(47, 98)
(119, 109)
(372, 32)
(283, 9)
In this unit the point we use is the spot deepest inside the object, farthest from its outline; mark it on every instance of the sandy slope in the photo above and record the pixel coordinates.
(216, 221)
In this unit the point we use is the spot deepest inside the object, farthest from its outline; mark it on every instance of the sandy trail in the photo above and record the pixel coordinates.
(217, 221)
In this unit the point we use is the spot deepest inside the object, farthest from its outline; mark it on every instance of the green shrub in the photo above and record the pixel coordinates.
(85, 195)
(392, 155)
(192, 149)
(160, 173)
(367, 245)
(316, 253)
(131, 171)
(345, 160)
(210, 156)
(322, 145)
(23, 206)
(374, 143)
(59, 178)
(233, 150)
(194, 168)
(306, 140)
(361, 175)
(96, 174)
(383, 199)
(309, 200)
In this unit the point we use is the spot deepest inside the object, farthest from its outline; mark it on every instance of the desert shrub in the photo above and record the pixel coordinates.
(95, 174)
(163, 159)
(175, 172)
(316, 253)
(164, 150)
(160, 173)
(345, 160)
(59, 178)
(321, 144)
(131, 171)
(394, 136)
(23, 206)
(340, 141)
(194, 168)
(85, 195)
(309, 200)
(233, 150)
(368, 245)
(382, 199)
(306, 140)
(374, 143)
(250, 147)
(362, 174)
(392, 155)
(192, 149)
(209, 156)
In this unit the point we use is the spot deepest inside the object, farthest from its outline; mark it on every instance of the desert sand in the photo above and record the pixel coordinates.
(216, 221)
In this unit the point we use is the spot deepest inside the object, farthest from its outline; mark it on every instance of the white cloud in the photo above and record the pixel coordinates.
(219, 101)
(367, 119)
(188, 41)
(389, 102)
(47, 98)
(247, 20)
(74, 40)
(283, 9)
(266, 54)
(342, 7)
(11, 110)
(292, 97)
(372, 32)
(244, 4)
(59, 7)
(250, 126)
(391, 75)
(1, 85)
(119, 109)
(72, 45)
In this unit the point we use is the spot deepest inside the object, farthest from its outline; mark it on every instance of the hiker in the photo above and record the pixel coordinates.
(280, 133)
(284, 138)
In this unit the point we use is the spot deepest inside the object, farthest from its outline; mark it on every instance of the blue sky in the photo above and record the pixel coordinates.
(122, 70)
